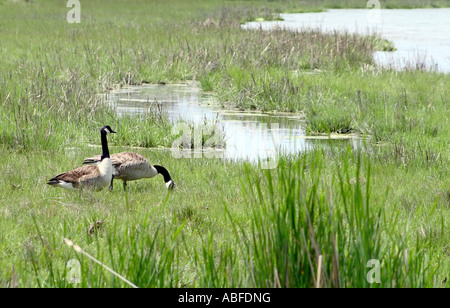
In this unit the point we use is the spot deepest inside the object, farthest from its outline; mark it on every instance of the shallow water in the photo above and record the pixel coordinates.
(421, 36)
(248, 135)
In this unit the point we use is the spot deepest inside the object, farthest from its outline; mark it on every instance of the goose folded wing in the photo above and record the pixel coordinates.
(126, 158)
(128, 161)
(76, 175)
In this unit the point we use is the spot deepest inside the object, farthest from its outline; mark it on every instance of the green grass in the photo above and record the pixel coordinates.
(307, 215)
(228, 224)
(280, 222)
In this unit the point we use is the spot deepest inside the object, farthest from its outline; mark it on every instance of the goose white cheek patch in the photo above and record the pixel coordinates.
(170, 184)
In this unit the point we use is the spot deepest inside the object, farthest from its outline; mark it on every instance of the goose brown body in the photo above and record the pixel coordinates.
(92, 177)
(130, 166)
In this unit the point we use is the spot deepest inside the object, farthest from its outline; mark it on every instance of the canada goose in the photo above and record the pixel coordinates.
(94, 177)
(129, 166)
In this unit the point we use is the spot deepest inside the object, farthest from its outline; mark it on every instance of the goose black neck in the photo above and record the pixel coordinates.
(105, 153)
(163, 171)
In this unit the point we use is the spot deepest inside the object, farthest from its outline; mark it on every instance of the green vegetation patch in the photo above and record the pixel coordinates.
(228, 224)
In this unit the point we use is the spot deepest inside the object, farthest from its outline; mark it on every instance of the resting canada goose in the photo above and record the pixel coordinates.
(94, 177)
(129, 166)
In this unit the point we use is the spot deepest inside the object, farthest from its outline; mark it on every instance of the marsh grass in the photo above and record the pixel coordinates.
(302, 219)
(228, 224)
(266, 229)
(222, 229)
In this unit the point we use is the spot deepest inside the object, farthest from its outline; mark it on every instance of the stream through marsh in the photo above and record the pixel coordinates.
(421, 37)
(247, 135)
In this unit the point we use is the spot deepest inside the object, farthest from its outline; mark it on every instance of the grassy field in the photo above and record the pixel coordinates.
(228, 224)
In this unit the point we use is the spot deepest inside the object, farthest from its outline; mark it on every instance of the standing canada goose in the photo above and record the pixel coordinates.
(94, 177)
(129, 166)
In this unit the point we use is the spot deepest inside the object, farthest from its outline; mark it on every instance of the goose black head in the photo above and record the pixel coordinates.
(170, 184)
(107, 129)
